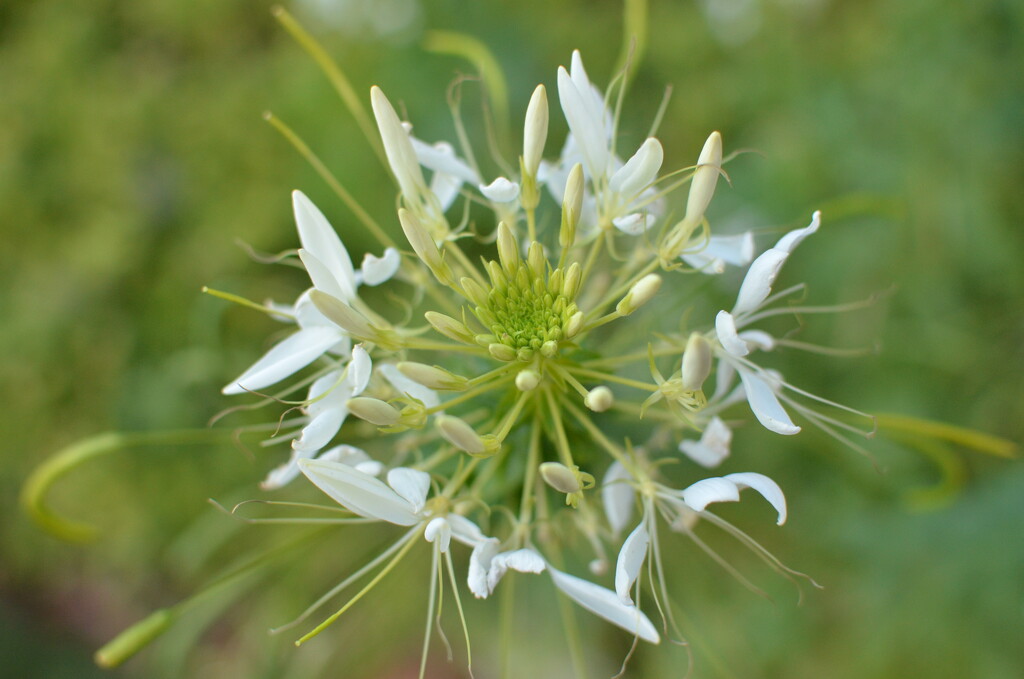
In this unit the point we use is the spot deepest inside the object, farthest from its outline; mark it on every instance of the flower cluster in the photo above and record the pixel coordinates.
(493, 397)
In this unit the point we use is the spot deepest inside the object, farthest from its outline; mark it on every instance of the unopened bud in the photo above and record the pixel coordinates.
(560, 477)
(572, 206)
(425, 247)
(450, 328)
(599, 399)
(549, 348)
(397, 146)
(374, 411)
(535, 258)
(571, 283)
(502, 352)
(641, 293)
(508, 249)
(535, 130)
(527, 380)
(342, 315)
(465, 438)
(574, 325)
(702, 186)
(476, 292)
(696, 362)
(432, 376)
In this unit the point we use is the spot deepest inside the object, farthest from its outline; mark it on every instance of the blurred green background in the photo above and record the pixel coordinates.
(133, 155)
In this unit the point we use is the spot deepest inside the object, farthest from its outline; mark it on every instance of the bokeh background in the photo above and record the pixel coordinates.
(133, 158)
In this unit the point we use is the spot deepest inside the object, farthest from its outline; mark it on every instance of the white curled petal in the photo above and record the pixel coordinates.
(766, 487)
(501, 190)
(713, 446)
(617, 495)
(789, 242)
(440, 157)
(321, 429)
(284, 474)
(320, 239)
(634, 224)
(323, 278)
(728, 336)
(585, 123)
(639, 171)
(706, 491)
(376, 270)
(757, 284)
(606, 604)
(412, 484)
(465, 531)
(285, 358)
(428, 397)
(630, 561)
(765, 404)
(479, 566)
(440, 531)
(521, 560)
(737, 250)
(359, 369)
(704, 264)
(359, 492)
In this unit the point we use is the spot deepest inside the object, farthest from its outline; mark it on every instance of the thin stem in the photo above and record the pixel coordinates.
(608, 377)
(469, 395)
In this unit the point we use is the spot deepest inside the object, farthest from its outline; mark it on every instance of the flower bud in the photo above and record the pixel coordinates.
(342, 315)
(450, 328)
(560, 477)
(574, 325)
(464, 437)
(502, 352)
(599, 399)
(641, 293)
(535, 131)
(476, 292)
(527, 380)
(432, 376)
(536, 259)
(571, 283)
(397, 146)
(374, 411)
(696, 362)
(639, 171)
(508, 250)
(702, 186)
(572, 206)
(425, 247)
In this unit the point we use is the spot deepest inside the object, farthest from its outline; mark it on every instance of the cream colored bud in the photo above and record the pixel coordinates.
(549, 348)
(572, 206)
(450, 328)
(641, 293)
(702, 186)
(341, 314)
(508, 249)
(536, 259)
(502, 352)
(535, 130)
(571, 284)
(574, 325)
(374, 411)
(397, 146)
(599, 399)
(432, 376)
(527, 380)
(476, 292)
(460, 435)
(560, 477)
(425, 247)
(696, 362)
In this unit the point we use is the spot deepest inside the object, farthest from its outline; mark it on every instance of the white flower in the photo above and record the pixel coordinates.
(760, 386)
(331, 271)
(713, 446)
(604, 603)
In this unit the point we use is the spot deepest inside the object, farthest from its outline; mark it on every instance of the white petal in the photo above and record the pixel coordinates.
(319, 238)
(704, 263)
(397, 146)
(737, 250)
(320, 430)
(606, 604)
(593, 97)
(376, 270)
(639, 171)
(704, 492)
(465, 531)
(285, 473)
(501, 190)
(758, 339)
(635, 224)
(439, 530)
(359, 369)
(412, 484)
(370, 467)
(789, 242)
(445, 188)
(285, 358)
(359, 492)
(617, 495)
(345, 454)
(440, 157)
(323, 278)
(630, 561)
(725, 328)
(766, 487)
(757, 284)
(522, 560)
(404, 385)
(479, 565)
(765, 404)
(713, 446)
(585, 123)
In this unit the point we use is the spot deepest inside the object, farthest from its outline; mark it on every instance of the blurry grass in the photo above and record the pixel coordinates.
(132, 154)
